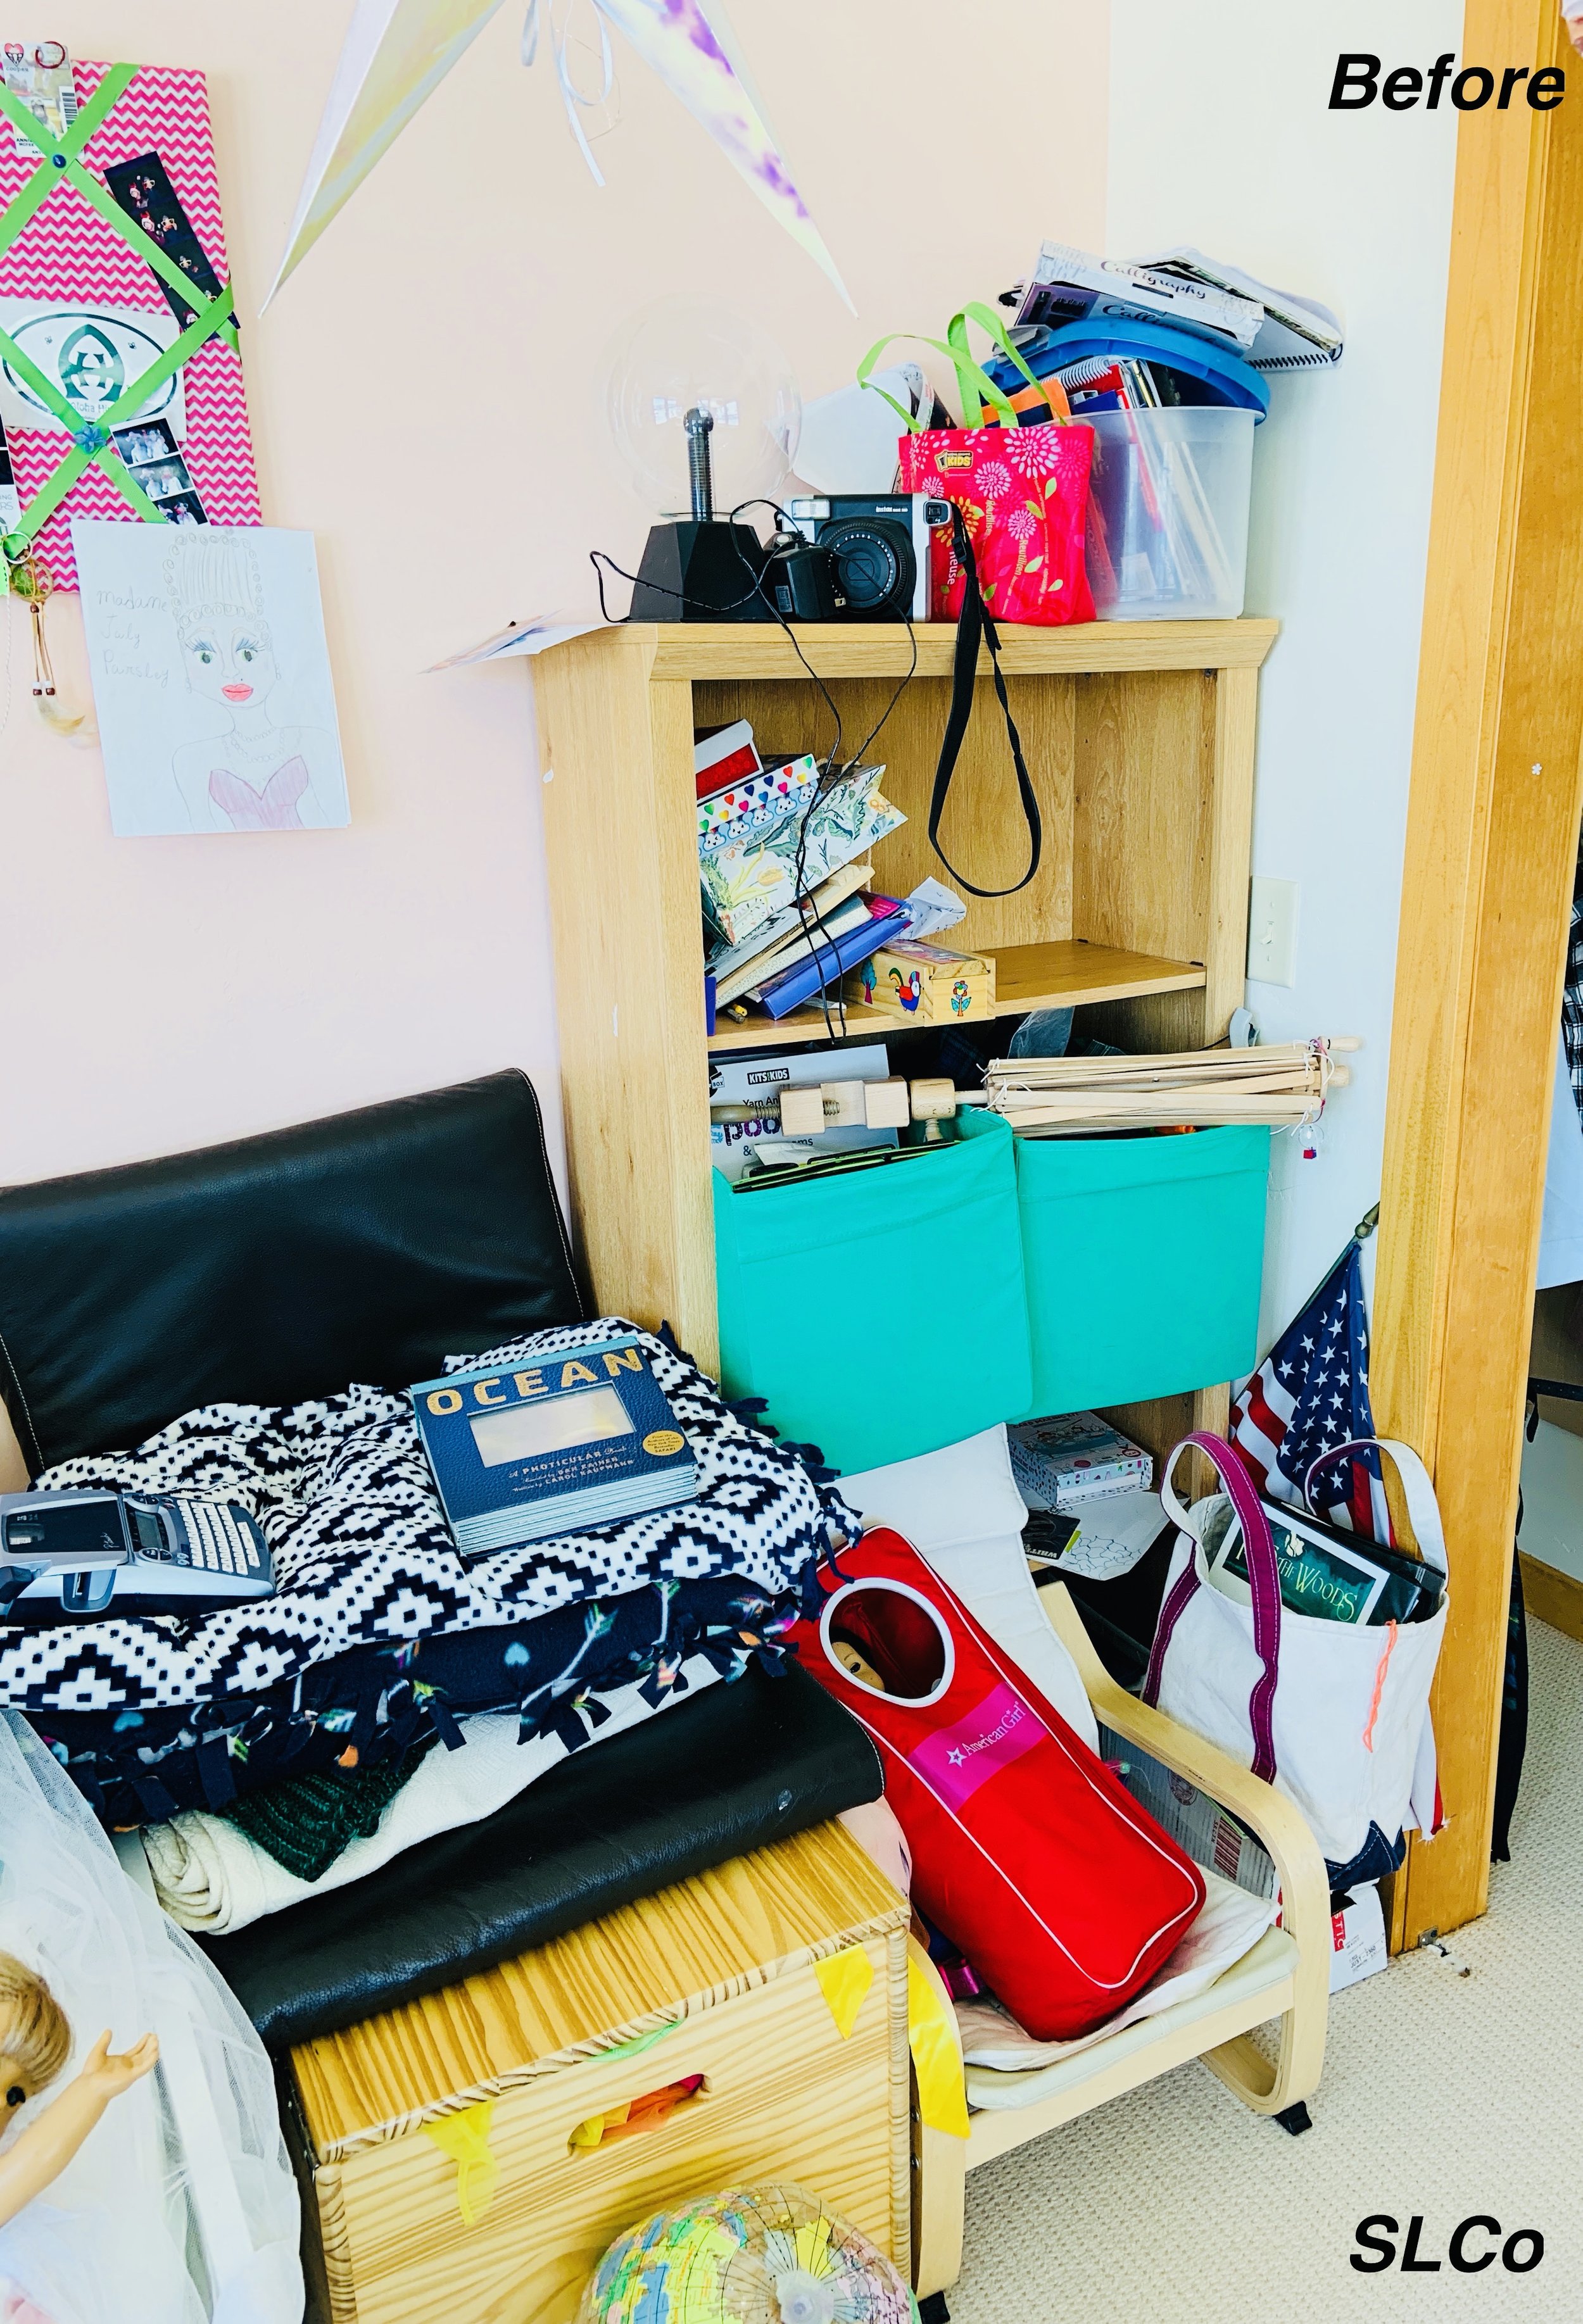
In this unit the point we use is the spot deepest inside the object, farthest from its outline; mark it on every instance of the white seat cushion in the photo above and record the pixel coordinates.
(1272, 1960)
(961, 1510)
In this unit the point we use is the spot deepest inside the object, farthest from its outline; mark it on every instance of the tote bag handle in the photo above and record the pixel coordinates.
(973, 623)
(973, 385)
(994, 328)
(1417, 1491)
(1264, 1587)
(974, 388)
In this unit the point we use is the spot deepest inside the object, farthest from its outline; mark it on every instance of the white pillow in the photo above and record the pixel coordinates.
(961, 1510)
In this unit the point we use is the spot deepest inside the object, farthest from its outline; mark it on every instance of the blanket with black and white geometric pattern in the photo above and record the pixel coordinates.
(362, 1551)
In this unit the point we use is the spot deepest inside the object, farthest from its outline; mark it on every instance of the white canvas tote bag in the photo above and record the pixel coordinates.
(1334, 1714)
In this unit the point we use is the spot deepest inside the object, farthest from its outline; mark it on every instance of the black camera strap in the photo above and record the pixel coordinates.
(976, 623)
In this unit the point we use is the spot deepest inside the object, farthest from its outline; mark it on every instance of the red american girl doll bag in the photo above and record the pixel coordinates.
(1028, 1852)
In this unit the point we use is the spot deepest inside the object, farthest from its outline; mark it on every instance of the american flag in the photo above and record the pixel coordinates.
(1310, 1395)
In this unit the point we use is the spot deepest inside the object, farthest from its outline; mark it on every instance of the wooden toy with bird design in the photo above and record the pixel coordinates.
(923, 984)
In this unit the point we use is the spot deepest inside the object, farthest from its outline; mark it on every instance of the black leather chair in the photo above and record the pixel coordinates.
(369, 1247)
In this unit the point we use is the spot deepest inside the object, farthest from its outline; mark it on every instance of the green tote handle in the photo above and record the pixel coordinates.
(989, 322)
(973, 385)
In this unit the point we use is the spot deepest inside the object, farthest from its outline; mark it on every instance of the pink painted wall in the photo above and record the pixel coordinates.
(425, 397)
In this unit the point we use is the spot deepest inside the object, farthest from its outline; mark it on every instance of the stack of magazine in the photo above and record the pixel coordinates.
(1274, 330)
(579, 1439)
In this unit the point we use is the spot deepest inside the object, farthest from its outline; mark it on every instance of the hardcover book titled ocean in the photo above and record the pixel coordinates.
(581, 1439)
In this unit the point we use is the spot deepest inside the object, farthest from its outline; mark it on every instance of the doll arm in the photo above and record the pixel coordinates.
(47, 2145)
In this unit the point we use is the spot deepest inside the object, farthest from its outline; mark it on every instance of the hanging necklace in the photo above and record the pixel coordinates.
(33, 581)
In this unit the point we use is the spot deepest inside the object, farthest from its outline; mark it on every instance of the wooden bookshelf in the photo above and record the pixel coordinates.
(1139, 739)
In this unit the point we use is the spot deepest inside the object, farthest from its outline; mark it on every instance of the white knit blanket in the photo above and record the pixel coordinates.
(211, 1877)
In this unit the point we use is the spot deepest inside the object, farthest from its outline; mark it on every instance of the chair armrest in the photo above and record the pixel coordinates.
(1305, 1887)
(939, 2166)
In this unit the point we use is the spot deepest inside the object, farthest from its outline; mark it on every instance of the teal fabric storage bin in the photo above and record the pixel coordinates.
(1144, 1256)
(880, 1314)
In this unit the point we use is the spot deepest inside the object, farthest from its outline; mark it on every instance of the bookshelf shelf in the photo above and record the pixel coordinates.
(757, 650)
(1065, 974)
(1140, 737)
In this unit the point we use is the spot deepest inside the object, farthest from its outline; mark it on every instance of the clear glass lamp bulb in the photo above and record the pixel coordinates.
(683, 355)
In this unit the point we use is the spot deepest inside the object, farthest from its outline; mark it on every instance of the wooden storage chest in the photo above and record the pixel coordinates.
(725, 1975)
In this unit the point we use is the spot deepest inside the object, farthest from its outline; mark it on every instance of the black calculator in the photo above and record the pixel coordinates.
(80, 1556)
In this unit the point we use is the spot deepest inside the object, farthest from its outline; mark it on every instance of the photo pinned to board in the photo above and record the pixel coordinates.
(39, 73)
(10, 499)
(90, 354)
(211, 677)
(149, 453)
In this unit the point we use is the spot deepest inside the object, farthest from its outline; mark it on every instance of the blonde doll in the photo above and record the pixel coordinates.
(36, 2043)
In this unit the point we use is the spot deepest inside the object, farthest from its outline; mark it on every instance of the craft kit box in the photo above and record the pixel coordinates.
(920, 984)
(474, 2154)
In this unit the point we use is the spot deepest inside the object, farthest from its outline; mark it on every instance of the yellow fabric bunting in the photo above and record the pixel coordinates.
(465, 2138)
(937, 2055)
(845, 1978)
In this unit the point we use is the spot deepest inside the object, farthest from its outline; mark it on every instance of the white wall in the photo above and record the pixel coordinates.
(1220, 136)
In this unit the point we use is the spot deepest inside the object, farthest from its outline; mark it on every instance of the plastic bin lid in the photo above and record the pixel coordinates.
(1120, 334)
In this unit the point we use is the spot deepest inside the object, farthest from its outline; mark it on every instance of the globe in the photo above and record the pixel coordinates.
(680, 355)
(766, 2255)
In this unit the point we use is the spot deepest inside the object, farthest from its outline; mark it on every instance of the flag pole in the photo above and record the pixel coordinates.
(1359, 1235)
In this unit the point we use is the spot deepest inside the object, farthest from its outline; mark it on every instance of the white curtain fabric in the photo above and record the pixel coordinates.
(180, 2207)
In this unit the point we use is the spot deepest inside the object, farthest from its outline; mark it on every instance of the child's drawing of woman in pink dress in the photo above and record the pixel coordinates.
(257, 775)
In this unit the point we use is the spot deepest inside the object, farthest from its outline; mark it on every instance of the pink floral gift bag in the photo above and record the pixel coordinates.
(1023, 493)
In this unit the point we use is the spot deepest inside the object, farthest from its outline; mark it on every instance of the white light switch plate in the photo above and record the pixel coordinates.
(1272, 931)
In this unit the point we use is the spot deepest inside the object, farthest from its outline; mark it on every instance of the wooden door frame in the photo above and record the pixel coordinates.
(1492, 831)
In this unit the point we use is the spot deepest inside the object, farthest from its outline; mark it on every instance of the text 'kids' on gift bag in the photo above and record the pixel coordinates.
(1023, 489)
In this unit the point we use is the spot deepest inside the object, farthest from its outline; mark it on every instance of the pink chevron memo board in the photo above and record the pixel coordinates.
(68, 251)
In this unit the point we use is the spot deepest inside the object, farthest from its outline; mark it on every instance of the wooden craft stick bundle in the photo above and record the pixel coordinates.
(1282, 1086)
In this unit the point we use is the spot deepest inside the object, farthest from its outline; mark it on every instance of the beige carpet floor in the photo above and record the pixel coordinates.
(1441, 2094)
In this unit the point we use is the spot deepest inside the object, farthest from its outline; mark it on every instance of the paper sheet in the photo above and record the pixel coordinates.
(1112, 1534)
(532, 637)
(212, 679)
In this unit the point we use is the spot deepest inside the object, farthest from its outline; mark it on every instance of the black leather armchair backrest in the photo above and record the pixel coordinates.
(367, 1247)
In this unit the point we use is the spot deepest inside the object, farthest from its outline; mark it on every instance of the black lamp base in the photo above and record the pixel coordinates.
(696, 571)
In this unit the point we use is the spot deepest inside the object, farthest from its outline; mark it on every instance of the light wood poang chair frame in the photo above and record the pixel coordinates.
(1215, 2032)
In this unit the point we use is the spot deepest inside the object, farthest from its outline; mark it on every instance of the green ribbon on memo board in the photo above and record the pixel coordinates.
(59, 166)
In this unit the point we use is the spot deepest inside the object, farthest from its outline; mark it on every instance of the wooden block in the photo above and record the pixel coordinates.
(802, 1112)
(934, 1100)
(843, 1105)
(885, 1104)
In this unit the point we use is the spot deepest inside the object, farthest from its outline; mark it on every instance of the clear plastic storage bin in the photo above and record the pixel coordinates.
(1168, 513)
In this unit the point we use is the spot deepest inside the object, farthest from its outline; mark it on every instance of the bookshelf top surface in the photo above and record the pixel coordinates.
(750, 649)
